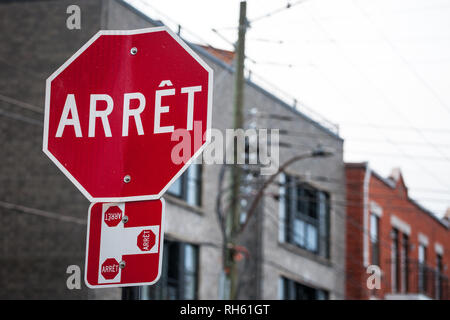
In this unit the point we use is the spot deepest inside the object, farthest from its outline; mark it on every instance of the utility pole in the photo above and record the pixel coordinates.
(233, 221)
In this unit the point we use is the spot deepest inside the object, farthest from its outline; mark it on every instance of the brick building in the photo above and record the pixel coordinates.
(386, 228)
(293, 254)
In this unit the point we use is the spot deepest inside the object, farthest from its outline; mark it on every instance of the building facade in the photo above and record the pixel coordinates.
(295, 242)
(389, 230)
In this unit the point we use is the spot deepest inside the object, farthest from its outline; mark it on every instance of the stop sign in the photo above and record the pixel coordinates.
(117, 112)
(113, 216)
(146, 240)
(109, 269)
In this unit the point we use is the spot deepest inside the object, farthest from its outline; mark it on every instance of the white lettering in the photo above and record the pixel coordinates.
(162, 109)
(69, 106)
(133, 112)
(190, 107)
(102, 114)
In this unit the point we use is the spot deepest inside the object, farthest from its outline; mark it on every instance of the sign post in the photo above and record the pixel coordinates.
(114, 113)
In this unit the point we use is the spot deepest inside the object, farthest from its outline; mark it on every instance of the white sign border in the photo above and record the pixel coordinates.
(78, 53)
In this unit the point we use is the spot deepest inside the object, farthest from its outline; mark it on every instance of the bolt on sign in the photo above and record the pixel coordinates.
(124, 243)
(111, 109)
(110, 112)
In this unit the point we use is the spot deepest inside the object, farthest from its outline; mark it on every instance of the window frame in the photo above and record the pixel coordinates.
(297, 211)
(175, 283)
(184, 180)
(395, 265)
(375, 241)
(422, 266)
(293, 290)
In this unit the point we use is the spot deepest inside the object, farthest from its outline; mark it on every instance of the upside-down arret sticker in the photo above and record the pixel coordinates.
(124, 243)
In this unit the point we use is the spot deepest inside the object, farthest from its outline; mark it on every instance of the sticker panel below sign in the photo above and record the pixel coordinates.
(124, 243)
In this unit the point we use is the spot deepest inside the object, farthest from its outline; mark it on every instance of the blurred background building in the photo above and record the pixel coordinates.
(386, 228)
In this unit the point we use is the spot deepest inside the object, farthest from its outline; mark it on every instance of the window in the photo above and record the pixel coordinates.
(291, 290)
(395, 257)
(405, 262)
(179, 273)
(305, 216)
(374, 238)
(422, 267)
(188, 185)
(439, 276)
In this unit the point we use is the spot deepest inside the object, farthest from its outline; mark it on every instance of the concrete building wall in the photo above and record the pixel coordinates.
(43, 217)
(37, 246)
(298, 264)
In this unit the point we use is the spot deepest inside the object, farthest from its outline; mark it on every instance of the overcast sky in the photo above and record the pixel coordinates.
(379, 69)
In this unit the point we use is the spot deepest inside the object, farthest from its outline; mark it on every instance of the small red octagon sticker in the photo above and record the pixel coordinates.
(110, 269)
(113, 216)
(146, 240)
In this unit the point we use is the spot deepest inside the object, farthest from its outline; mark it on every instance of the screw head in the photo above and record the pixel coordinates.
(122, 264)
(127, 178)
(125, 219)
(133, 51)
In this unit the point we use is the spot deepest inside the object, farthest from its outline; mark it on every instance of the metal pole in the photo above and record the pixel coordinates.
(238, 122)
(131, 293)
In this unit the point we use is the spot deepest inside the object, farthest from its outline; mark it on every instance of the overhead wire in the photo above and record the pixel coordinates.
(367, 79)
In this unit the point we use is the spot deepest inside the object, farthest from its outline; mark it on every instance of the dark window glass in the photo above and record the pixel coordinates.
(188, 185)
(179, 276)
(374, 239)
(292, 290)
(395, 261)
(306, 216)
(439, 277)
(422, 268)
(405, 262)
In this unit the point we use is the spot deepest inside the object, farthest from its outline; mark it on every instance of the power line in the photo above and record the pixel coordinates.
(401, 128)
(21, 104)
(344, 204)
(266, 40)
(369, 152)
(22, 118)
(41, 213)
(304, 134)
(425, 169)
(403, 59)
(289, 5)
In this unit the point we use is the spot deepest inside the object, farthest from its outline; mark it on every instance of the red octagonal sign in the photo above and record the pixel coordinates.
(146, 240)
(109, 268)
(113, 216)
(118, 109)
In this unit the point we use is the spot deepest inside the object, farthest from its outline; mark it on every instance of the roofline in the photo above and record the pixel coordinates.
(361, 165)
(392, 185)
(230, 69)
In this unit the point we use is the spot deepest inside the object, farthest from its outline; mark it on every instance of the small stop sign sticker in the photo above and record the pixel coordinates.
(146, 240)
(113, 216)
(110, 269)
